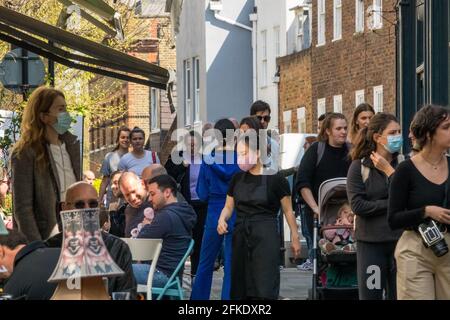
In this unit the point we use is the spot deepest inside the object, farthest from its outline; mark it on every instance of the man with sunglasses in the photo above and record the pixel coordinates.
(82, 195)
(261, 110)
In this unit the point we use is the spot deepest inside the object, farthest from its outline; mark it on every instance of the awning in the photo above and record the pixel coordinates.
(23, 31)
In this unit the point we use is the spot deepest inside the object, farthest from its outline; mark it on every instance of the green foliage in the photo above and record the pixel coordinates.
(97, 183)
(7, 205)
(86, 94)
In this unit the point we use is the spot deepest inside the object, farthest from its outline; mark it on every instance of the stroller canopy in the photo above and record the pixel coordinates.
(333, 191)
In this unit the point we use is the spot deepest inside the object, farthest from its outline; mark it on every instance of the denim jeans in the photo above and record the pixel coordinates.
(307, 223)
(141, 271)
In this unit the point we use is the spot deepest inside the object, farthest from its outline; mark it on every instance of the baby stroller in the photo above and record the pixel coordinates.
(334, 273)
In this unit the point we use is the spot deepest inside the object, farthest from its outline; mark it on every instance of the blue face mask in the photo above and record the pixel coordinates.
(394, 144)
(63, 123)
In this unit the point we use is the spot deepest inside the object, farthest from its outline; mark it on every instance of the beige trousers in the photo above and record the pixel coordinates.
(420, 274)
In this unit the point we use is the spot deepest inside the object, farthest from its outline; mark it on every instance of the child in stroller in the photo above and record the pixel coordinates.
(339, 239)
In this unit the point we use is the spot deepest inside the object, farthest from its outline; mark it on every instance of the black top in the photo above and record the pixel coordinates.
(410, 192)
(33, 266)
(134, 216)
(369, 201)
(256, 195)
(334, 164)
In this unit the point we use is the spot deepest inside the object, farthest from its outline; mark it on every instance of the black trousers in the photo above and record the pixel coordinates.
(200, 209)
(376, 270)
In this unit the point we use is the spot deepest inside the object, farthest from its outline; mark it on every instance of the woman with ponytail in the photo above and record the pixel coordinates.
(375, 156)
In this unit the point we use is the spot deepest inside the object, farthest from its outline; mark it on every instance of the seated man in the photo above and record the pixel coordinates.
(135, 194)
(155, 170)
(82, 195)
(27, 267)
(173, 223)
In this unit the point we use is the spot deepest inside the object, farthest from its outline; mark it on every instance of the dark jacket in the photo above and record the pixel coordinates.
(311, 173)
(173, 224)
(36, 194)
(120, 253)
(117, 218)
(182, 176)
(369, 201)
(33, 266)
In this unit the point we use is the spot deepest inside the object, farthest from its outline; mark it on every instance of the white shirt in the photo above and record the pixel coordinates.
(64, 167)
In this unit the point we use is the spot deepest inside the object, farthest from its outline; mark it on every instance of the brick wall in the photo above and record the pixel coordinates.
(157, 48)
(295, 88)
(357, 61)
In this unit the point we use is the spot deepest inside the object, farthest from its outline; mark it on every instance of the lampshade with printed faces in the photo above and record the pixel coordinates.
(83, 252)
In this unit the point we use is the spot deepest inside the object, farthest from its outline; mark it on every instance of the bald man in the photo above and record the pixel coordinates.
(156, 170)
(89, 177)
(82, 195)
(135, 194)
(153, 170)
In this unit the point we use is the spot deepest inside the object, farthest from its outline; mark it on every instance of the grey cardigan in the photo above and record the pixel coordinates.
(369, 201)
(36, 195)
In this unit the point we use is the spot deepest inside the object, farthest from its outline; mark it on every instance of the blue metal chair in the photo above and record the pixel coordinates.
(174, 286)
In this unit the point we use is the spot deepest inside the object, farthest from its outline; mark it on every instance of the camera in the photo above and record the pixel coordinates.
(433, 238)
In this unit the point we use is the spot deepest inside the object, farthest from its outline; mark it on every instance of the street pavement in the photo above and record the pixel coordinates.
(294, 284)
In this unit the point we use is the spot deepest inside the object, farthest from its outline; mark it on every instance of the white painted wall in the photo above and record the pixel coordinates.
(272, 14)
(190, 42)
(225, 59)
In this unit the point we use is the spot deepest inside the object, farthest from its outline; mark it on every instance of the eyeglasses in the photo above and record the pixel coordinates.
(82, 204)
(265, 118)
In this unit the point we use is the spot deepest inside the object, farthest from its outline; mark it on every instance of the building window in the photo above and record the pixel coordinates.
(154, 102)
(337, 23)
(287, 121)
(337, 104)
(301, 119)
(321, 107)
(196, 89)
(276, 35)
(377, 14)
(321, 22)
(187, 92)
(300, 31)
(264, 58)
(359, 97)
(378, 99)
(359, 16)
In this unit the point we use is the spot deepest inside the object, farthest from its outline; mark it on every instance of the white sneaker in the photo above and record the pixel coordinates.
(305, 266)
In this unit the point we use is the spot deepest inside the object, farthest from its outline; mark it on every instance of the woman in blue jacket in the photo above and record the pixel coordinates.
(212, 187)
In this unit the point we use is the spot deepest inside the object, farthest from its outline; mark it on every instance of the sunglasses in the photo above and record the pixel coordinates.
(82, 204)
(265, 118)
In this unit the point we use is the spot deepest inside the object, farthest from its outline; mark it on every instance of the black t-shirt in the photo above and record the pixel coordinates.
(134, 216)
(334, 164)
(33, 266)
(409, 193)
(258, 194)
